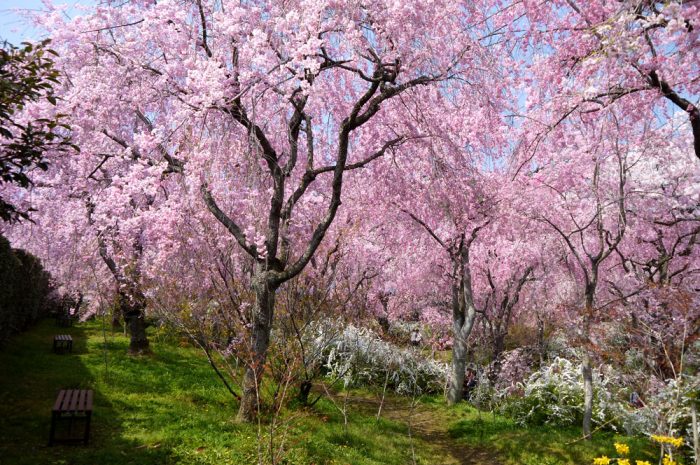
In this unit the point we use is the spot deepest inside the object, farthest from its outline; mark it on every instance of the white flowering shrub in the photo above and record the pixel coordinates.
(359, 357)
(554, 395)
(485, 396)
(669, 408)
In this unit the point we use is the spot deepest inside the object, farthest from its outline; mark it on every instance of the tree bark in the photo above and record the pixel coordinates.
(138, 345)
(133, 311)
(260, 341)
(586, 367)
(459, 365)
(499, 345)
(304, 391)
(463, 315)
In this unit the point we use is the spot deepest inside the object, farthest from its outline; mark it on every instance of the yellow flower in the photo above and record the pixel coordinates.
(667, 461)
(642, 462)
(622, 449)
(623, 462)
(604, 460)
(676, 442)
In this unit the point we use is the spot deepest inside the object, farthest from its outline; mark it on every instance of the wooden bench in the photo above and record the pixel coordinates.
(62, 341)
(71, 405)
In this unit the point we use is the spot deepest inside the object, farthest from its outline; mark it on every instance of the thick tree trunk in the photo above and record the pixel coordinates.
(463, 317)
(132, 309)
(459, 365)
(260, 341)
(136, 321)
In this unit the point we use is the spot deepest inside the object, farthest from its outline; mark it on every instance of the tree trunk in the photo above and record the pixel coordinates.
(138, 345)
(499, 345)
(304, 391)
(260, 341)
(459, 365)
(132, 309)
(587, 372)
(696, 438)
(541, 348)
(586, 368)
(463, 317)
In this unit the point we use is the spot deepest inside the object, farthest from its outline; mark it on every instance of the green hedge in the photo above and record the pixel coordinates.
(25, 290)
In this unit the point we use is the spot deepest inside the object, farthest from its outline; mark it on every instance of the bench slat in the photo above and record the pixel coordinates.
(81, 400)
(59, 400)
(74, 401)
(66, 400)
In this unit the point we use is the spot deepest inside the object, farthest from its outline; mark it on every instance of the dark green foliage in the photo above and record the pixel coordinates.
(27, 74)
(25, 289)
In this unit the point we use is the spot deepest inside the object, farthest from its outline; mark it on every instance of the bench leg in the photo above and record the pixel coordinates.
(52, 432)
(87, 427)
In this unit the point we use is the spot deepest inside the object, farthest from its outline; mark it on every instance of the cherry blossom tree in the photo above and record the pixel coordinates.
(639, 57)
(416, 165)
(259, 110)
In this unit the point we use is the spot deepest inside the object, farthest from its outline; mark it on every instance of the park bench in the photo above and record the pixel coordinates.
(62, 341)
(71, 406)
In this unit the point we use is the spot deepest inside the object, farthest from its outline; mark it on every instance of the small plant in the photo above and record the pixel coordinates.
(668, 443)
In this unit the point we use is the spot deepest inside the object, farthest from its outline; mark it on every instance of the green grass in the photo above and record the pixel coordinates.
(170, 408)
(535, 445)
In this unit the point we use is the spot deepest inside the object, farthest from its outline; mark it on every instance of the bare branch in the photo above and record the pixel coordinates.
(224, 219)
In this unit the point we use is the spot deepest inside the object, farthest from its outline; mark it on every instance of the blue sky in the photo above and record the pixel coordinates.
(12, 26)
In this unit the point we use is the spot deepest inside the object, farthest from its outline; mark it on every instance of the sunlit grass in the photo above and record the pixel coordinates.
(170, 408)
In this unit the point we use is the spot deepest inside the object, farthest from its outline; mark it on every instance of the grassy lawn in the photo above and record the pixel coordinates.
(170, 408)
(541, 445)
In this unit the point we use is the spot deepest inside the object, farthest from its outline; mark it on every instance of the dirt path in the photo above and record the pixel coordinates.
(429, 429)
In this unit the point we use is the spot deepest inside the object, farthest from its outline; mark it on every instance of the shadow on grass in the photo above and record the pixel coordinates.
(30, 377)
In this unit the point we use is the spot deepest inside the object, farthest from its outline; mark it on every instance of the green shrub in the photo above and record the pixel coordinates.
(25, 290)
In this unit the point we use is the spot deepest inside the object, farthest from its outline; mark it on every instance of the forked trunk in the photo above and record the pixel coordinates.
(463, 316)
(260, 341)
